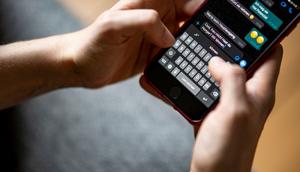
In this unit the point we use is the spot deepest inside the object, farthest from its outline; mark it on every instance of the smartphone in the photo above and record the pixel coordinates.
(239, 31)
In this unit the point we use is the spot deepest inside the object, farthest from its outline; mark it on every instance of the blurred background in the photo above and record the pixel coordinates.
(82, 130)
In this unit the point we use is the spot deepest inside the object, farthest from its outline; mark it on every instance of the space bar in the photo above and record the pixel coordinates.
(183, 79)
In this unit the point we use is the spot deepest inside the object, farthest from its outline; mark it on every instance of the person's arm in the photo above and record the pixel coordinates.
(106, 52)
(115, 47)
(33, 67)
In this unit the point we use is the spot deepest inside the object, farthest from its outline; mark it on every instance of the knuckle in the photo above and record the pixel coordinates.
(152, 17)
(106, 22)
(268, 100)
(106, 17)
(236, 72)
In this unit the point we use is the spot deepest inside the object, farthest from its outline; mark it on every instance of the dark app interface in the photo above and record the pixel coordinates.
(238, 31)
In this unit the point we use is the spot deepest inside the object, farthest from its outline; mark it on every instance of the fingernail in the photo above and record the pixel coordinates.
(168, 38)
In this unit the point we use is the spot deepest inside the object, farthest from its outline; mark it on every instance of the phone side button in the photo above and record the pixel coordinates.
(205, 99)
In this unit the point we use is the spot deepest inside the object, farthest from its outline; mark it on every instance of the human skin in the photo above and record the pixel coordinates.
(226, 139)
(117, 46)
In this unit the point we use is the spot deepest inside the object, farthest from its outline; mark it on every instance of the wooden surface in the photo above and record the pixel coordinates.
(279, 147)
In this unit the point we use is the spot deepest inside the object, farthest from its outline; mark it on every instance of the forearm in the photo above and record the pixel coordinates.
(34, 67)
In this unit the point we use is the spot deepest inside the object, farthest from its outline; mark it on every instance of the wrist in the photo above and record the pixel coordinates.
(51, 65)
(65, 51)
(83, 59)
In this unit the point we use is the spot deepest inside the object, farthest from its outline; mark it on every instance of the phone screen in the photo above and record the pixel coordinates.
(239, 31)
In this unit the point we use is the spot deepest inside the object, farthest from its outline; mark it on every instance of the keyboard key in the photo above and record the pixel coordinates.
(183, 64)
(198, 48)
(175, 72)
(202, 82)
(189, 84)
(207, 57)
(191, 68)
(177, 44)
(189, 40)
(202, 53)
(206, 86)
(164, 60)
(208, 75)
(171, 53)
(195, 61)
(197, 77)
(205, 99)
(193, 73)
(188, 69)
(178, 60)
(170, 66)
(193, 44)
(184, 36)
(215, 94)
(191, 57)
(181, 48)
(200, 65)
(186, 52)
(204, 70)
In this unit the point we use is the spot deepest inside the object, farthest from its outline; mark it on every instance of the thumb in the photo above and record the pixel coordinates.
(232, 80)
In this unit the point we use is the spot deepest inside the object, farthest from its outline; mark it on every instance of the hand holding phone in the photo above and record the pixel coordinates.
(240, 32)
(227, 137)
(119, 44)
